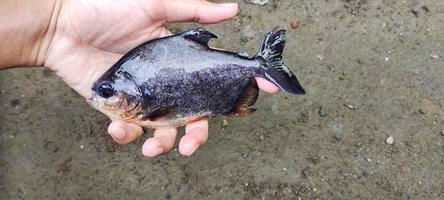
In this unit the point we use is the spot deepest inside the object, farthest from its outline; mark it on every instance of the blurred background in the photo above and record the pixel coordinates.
(370, 127)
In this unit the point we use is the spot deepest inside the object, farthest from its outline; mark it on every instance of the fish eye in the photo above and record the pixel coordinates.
(105, 89)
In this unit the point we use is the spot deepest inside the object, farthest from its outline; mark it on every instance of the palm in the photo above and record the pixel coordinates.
(94, 34)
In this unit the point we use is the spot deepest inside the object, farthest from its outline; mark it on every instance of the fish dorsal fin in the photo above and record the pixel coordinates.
(198, 35)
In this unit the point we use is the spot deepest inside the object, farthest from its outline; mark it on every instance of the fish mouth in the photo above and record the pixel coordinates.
(93, 101)
(116, 107)
(100, 105)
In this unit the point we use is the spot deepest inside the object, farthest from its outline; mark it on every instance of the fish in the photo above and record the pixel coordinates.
(175, 80)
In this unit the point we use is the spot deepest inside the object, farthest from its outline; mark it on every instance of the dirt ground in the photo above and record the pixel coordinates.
(372, 69)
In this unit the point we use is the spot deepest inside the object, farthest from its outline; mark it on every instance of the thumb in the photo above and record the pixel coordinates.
(200, 11)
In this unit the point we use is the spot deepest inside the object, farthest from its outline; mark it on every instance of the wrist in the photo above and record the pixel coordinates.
(27, 28)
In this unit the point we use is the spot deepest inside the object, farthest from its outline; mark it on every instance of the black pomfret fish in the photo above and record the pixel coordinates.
(174, 80)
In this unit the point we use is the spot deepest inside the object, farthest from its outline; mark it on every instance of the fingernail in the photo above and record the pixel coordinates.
(118, 134)
(190, 149)
(154, 152)
(228, 5)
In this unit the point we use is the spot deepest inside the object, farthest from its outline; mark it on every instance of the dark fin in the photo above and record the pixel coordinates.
(247, 99)
(157, 114)
(242, 113)
(270, 55)
(198, 35)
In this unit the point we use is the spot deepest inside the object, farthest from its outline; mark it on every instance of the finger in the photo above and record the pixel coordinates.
(266, 86)
(197, 11)
(196, 135)
(124, 133)
(162, 142)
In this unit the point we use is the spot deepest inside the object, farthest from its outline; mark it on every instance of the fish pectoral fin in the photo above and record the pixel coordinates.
(199, 35)
(249, 97)
(157, 114)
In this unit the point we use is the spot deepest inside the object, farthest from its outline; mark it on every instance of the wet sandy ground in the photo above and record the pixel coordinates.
(373, 69)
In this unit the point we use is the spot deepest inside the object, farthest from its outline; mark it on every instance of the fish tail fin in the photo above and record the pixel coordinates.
(270, 55)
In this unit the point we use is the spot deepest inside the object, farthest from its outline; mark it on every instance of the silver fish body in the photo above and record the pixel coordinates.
(174, 80)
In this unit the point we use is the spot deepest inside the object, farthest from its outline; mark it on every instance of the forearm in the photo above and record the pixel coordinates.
(26, 27)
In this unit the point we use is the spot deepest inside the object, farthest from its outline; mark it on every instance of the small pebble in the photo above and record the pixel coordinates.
(224, 123)
(386, 59)
(81, 146)
(261, 137)
(275, 109)
(351, 107)
(369, 160)
(294, 24)
(258, 2)
(322, 111)
(434, 56)
(285, 169)
(389, 140)
(330, 66)
(382, 82)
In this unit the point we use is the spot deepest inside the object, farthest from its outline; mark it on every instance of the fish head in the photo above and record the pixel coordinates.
(117, 96)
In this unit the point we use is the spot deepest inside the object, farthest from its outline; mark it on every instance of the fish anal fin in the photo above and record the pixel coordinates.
(242, 113)
(247, 99)
(199, 35)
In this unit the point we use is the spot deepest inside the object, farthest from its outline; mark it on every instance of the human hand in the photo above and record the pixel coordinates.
(91, 35)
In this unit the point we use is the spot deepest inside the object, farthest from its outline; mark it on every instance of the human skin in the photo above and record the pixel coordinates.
(80, 39)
